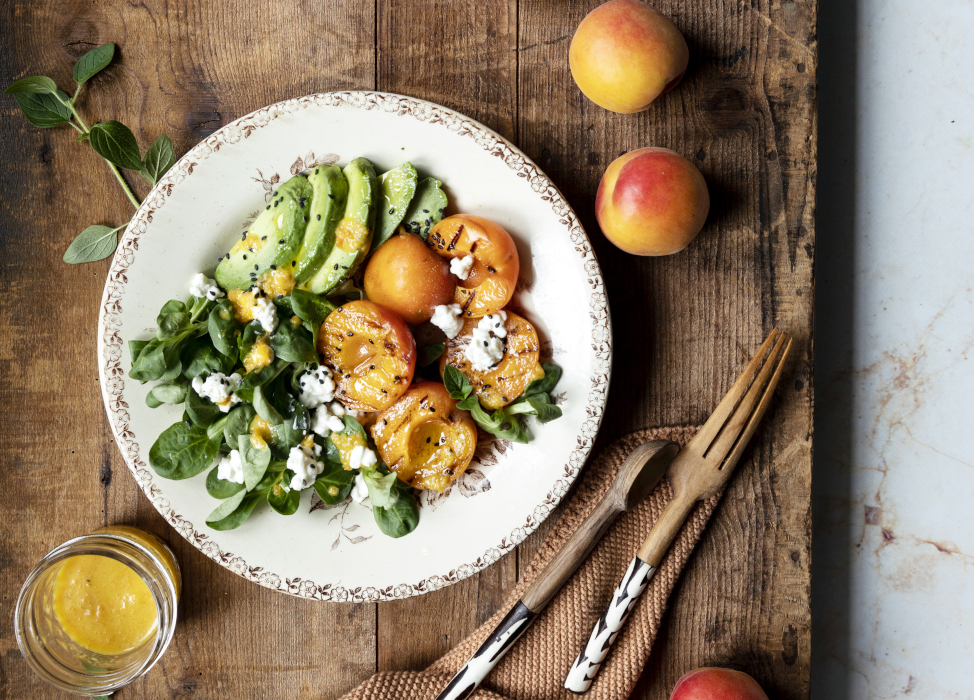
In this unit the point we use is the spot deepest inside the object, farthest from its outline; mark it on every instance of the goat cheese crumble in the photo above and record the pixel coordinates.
(324, 422)
(448, 318)
(266, 313)
(486, 350)
(231, 468)
(461, 266)
(361, 457)
(219, 388)
(359, 491)
(316, 387)
(203, 287)
(306, 468)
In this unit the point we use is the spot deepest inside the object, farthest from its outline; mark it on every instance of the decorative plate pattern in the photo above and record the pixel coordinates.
(136, 288)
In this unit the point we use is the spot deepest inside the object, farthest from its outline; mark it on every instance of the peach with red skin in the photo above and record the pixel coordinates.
(625, 54)
(652, 201)
(717, 684)
(406, 276)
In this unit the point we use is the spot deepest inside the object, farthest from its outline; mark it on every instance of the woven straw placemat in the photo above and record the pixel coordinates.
(535, 668)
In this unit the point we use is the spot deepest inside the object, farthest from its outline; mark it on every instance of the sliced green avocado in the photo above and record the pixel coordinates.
(327, 208)
(426, 208)
(353, 235)
(273, 239)
(398, 188)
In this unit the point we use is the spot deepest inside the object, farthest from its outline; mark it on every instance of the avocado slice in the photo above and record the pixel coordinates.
(398, 187)
(327, 208)
(353, 235)
(426, 208)
(273, 239)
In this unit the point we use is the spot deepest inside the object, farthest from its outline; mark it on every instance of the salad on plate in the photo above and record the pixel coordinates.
(297, 367)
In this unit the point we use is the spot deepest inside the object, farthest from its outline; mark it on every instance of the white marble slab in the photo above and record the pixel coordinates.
(893, 567)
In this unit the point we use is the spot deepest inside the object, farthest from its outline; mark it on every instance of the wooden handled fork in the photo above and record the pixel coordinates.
(700, 471)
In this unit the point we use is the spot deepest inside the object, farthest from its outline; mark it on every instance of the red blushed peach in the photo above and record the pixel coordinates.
(652, 202)
(625, 54)
(717, 684)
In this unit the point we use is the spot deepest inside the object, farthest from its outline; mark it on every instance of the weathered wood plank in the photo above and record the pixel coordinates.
(461, 55)
(745, 116)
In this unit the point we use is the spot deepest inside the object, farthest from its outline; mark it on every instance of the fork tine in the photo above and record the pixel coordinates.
(759, 411)
(708, 433)
(744, 413)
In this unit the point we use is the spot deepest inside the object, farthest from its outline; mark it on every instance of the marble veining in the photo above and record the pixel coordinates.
(893, 571)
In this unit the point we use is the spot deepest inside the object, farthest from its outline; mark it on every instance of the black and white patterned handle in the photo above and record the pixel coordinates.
(588, 663)
(514, 624)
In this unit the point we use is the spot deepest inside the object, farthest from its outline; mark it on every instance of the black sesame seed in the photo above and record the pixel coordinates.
(263, 238)
(316, 171)
(293, 263)
(319, 217)
(392, 210)
(427, 440)
(426, 211)
(336, 266)
(244, 236)
(256, 267)
(188, 424)
(245, 257)
(268, 206)
(349, 334)
(281, 242)
(492, 270)
(228, 256)
(371, 366)
(306, 219)
(331, 196)
(275, 193)
(273, 267)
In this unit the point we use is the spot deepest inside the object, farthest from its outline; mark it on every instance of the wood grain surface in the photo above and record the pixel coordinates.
(684, 325)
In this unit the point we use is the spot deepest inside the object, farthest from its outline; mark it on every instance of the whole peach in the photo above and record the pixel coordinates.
(717, 684)
(652, 201)
(625, 54)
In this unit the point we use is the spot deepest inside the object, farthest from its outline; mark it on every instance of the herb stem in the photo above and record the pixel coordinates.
(118, 175)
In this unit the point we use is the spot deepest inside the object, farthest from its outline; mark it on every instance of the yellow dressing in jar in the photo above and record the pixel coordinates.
(103, 605)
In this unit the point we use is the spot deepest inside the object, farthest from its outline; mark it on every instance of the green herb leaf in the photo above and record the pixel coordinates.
(135, 348)
(166, 393)
(170, 307)
(382, 491)
(94, 243)
(402, 517)
(264, 408)
(334, 477)
(552, 373)
(293, 344)
(35, 84)
(173, 324)
(221, 488)
(116, 143)
(238, 423)
(42, 109)
(222, 326)
(292, 430)
(251, 332)
(202, 412)
(312, 309)
(456, 383)
(200, 358)
(255, 461)
(428, 354)
(158, 159)
(182, 452)
(352, 426)
(284, 500)
(93, 63)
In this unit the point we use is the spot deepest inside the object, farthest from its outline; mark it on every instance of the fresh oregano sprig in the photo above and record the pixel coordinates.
(45, 106)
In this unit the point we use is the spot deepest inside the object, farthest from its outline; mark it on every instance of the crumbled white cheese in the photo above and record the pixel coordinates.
(448, 318)
(203, 287)
(231, 468)
(336, 408)
(461, 266)
(486, 347)
(361, 457)
(324, 423)
(219, 389)
(266, 313)
(359, 491)
(306, 468)
(316, 387)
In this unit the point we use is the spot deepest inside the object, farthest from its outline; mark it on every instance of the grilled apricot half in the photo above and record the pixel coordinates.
(493, 276)
(424, 438)
(506, 380)
(372, 353)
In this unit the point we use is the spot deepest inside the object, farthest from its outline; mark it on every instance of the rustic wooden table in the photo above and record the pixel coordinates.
(745, 115)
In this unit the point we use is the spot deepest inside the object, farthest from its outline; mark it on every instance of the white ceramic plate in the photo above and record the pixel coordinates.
(197, 211)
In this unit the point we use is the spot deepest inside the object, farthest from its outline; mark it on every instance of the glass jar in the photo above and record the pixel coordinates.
(55, 655)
